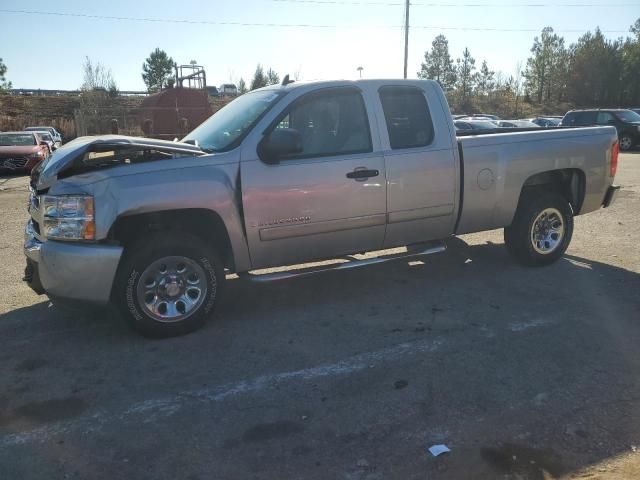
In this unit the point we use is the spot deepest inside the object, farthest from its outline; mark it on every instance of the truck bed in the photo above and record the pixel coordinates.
(497, 164)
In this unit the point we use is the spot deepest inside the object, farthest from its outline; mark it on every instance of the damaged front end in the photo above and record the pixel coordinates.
(86, 154)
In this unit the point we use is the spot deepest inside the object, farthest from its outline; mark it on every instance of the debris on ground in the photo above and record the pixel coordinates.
(438, 449)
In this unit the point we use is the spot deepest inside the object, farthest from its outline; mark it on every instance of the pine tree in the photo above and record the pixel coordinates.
(438, 64)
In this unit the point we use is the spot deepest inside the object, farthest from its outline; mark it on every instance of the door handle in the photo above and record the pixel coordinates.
(362, 173)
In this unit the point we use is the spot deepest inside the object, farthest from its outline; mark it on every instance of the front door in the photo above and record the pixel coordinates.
(327, 200)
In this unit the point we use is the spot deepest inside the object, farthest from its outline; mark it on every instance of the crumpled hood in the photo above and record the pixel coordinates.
(64, 157)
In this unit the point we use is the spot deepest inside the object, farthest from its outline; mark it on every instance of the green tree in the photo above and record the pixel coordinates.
(466, 75)
(631, 67)
(596, 70)
(242, 86)
(4, 84)
(485, 79)
(259, 79)
(157, 70)
(272, 77)
(546, 68)
(438, 64)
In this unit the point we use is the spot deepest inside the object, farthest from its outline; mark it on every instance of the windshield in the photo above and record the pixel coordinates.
(45, 136)
(628, 116)
(229, 125)
(7, 139)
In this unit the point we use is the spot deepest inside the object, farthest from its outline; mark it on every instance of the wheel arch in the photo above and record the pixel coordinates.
(568, 182)
(204, 223)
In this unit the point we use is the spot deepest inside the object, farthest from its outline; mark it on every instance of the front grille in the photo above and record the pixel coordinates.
(13, 163)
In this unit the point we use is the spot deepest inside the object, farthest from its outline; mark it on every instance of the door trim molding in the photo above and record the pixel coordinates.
(315, 228)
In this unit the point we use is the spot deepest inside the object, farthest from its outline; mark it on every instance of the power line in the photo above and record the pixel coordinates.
(455, 5)
(165, 20)
(285, 25)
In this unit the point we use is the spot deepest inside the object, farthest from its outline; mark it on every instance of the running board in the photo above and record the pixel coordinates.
(416, 250)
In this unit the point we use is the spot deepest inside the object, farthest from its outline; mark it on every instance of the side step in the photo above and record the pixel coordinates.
(415, 250)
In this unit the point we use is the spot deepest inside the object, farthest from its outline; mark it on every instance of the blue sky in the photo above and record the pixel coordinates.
(356, 33)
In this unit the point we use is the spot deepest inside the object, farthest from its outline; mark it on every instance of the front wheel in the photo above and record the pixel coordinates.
(167, 285)
(541, 229)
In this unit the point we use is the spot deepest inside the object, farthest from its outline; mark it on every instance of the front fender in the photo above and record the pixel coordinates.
(210, 187)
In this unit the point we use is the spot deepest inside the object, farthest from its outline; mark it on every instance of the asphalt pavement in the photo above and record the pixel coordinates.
(522, 373)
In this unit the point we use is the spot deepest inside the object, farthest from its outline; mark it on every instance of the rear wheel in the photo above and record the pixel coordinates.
(541, 230)
(626, 143)
(168, 285)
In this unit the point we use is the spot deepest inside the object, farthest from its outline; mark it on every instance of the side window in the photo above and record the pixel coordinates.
(407, 115)
(332, 122)
(605, 118)
(586, 118)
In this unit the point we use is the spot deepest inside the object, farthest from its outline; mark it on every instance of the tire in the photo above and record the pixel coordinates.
(552, 217)
(626, 142)
(182, 277)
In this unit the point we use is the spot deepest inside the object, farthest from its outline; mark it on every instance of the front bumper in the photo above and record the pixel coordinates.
(73, 271)
(610, 196)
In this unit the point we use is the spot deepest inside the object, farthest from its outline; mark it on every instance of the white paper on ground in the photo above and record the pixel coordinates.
(438, 449)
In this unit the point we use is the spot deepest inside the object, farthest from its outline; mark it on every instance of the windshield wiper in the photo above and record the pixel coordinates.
(209, 150)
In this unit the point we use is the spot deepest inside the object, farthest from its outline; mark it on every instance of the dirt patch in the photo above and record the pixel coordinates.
(533, 463)
(46, 411)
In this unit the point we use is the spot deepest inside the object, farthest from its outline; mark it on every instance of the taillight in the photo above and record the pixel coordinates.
(613, 168)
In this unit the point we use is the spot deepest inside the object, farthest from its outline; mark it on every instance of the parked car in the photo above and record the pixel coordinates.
(57, 137)
(20, 152)
(516, 124)
(626, 122)
(228, 90)
(46, 137)
(468, 125)
(479, 119)
(289, 174)
(212, 91)
(485, 116)
(545, 121)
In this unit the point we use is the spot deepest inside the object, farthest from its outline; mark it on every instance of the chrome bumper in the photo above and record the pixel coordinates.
(72, 271)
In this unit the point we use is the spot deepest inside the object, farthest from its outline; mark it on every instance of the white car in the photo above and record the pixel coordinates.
(55, 135)
(46, 137)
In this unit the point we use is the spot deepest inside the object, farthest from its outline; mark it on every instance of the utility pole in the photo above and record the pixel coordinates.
(406, 36)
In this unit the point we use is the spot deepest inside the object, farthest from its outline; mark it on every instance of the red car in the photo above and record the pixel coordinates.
(20, 152)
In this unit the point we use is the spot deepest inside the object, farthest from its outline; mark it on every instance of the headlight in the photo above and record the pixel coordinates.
(68, 217)
(38, 154)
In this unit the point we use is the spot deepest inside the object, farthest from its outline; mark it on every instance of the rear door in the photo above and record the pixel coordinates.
(420, 163)
(328, 200)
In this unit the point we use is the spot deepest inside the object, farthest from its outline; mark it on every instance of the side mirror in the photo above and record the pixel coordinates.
(280, 142)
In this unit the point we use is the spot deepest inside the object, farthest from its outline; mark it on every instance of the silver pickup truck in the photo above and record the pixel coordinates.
(295, 173)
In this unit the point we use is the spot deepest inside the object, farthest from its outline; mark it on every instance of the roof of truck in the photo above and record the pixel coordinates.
(362, 81)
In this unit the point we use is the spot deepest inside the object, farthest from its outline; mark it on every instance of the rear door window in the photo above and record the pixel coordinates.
(605, 118)
(407, 116)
